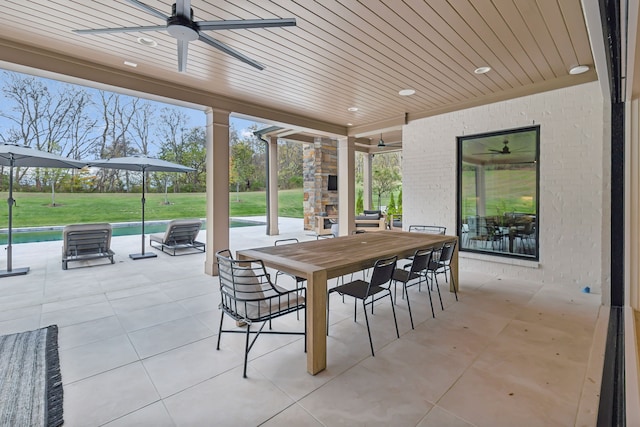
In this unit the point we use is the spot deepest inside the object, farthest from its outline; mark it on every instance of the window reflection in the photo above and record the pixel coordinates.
(498, 192)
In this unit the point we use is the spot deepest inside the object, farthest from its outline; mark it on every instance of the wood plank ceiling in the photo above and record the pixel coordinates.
(341, 54)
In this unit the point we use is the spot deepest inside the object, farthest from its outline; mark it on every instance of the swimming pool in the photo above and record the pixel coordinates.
(48, 234)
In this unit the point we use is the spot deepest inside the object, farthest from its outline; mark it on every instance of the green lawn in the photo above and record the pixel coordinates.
(506, 191)
(35, 209)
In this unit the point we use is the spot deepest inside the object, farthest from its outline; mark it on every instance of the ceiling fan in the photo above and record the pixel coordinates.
(493, 151)
(505, 149)
(382, 144)
(182, 27)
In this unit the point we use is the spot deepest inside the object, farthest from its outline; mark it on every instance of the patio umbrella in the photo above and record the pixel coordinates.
(22, 156)
(141, 164)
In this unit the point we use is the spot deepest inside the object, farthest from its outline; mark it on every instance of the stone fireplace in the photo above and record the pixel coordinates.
(320, 161)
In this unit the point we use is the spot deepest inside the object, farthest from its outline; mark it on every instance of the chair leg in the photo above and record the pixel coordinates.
(395, 320)
(408, 305)
(246, 351)
(366, 318)
(220, 330)
(438, 288)
(433, 314)
(355, 309)
(298, 286)
(395, 291)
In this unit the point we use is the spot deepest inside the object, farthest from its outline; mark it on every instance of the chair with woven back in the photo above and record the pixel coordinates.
(249, 297)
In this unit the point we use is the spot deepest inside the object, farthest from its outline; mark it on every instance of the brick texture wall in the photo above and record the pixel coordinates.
(574, 181)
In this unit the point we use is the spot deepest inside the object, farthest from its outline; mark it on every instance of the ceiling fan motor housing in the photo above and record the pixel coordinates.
(181, 27)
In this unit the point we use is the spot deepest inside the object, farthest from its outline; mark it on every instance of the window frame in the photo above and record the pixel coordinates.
(460, 141)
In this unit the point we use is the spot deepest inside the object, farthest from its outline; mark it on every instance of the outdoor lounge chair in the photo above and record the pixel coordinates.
(180, 234)
(86, 241)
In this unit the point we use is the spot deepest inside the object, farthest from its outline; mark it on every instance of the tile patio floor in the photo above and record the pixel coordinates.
(137, 348)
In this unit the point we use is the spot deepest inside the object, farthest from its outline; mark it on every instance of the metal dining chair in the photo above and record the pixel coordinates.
(375, 289)
(413, 276)
(249, 297)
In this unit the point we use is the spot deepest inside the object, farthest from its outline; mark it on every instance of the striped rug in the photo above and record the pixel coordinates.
(30, 381)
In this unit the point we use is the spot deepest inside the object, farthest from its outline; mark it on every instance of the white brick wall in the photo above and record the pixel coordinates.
(574, 174)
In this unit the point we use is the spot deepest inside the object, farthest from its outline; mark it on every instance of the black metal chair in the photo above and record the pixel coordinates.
(417, 270)
(248, 297)
(441, 264)
(361, 290)
(526, 234)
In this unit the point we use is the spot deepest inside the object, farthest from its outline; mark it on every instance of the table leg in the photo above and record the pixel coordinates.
(316, 322)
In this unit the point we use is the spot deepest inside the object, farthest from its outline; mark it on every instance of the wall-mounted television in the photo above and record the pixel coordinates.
(332, 183)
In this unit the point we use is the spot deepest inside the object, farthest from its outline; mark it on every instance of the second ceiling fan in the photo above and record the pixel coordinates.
(382, 144)
(182, 27)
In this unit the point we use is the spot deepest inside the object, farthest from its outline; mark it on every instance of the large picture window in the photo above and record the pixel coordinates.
(498, 188)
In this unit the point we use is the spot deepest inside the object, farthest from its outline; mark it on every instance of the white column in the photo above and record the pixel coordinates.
(346, 185)
(217, 134)
(273, 186)
(367, 180)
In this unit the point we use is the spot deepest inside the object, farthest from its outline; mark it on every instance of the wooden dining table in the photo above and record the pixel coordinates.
(320, 260)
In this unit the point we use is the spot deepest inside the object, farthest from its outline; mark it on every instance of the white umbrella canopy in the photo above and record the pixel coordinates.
(23, 156)
(141, 164)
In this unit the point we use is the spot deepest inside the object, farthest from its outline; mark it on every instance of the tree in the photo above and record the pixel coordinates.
(242, 167)
(115, 140)
(289, 164)
(386, 174)
(360, 203)
(399, 207)
(391, 207)
(194, 155)
(55, 121)
(172, 133)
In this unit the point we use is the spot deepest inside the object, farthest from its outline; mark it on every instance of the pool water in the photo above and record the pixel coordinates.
(25, 235)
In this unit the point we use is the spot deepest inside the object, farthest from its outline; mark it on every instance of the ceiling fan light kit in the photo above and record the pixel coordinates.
(181, 26)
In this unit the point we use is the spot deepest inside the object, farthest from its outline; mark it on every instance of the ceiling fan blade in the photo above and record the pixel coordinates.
(122, 29)
(183, 8)
(226, 49)
(245, 23)
(148, 9)
(183, 50)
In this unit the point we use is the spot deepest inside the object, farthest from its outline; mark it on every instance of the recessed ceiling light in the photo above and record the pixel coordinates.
(406, 92)
(482, 70)
(579, 69)
(130, 64)
(147, 41)
(349, 124)
(352, 109)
